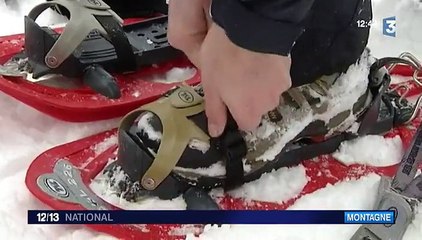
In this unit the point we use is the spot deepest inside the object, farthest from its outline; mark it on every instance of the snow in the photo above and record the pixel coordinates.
(199, 145)
(14, 21)
(104, 145)
(175, 74)
(184, 230)
(144, 124)
(215, 170)
(277, 186)
(372, 150)
(136, 94)
(263, 131)
(25, 133)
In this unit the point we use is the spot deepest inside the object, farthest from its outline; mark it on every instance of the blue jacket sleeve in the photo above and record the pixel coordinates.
(267, 26)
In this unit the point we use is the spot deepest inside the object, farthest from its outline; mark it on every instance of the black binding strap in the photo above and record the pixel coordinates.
(125, 56)
(378, 85)
(295, 156)
(233, 147)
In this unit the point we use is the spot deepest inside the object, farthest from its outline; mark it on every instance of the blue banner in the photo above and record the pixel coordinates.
(359, 217)
(210, 217)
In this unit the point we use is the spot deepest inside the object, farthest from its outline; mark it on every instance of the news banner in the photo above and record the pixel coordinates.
(210, 217)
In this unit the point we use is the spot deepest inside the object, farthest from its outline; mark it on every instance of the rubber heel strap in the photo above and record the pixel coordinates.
(85, 17)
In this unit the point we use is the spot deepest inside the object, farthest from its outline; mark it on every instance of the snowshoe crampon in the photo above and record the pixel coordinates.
(162, 150)
(96, 67)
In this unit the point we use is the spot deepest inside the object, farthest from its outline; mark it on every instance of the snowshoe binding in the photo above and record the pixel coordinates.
(97, 62)
(93, 44)
(165, 149)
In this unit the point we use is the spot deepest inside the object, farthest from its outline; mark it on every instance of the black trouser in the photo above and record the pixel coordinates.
(332, 41)
(137, 8)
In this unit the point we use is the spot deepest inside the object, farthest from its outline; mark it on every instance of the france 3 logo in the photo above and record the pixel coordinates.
(389, 26)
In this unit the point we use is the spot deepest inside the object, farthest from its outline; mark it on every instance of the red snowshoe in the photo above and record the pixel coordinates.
(163, 149)
(94, 68)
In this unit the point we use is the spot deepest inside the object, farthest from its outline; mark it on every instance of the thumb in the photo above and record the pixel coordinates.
(216, 112)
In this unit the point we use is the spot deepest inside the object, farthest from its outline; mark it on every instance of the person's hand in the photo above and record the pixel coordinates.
(188, 25)
(248, 83)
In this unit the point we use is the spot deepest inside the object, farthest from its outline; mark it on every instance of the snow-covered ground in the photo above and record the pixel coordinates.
(25, 133)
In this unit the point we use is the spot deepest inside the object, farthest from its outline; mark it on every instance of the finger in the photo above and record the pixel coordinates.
(216, 112)
(187, 27)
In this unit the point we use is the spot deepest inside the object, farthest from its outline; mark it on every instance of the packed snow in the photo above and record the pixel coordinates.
(278, 186)
(372, 150)
(25, 133)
